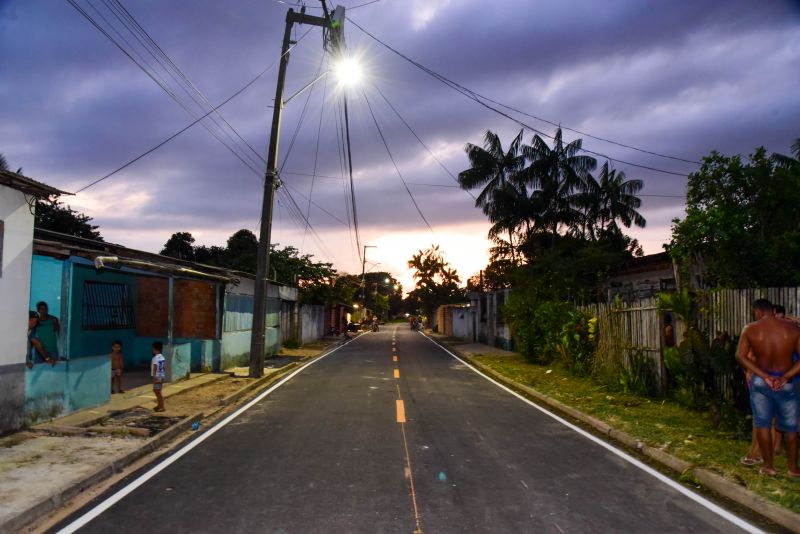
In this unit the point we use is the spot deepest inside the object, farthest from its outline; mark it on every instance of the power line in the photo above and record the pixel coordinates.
(410, 129)
(147, 70)
(385, 144)
(350, 171)
(316, 158)
(419, 184)
(319, 207)
(478, 98)
(184, 77)
(301, 119)
(176, 134)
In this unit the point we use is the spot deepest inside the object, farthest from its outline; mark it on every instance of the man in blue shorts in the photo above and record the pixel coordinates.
(772, 394)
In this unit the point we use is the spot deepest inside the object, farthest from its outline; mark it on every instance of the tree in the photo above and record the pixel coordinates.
(180, 246)
(55, 216)
(609, 199)
(436, 282)
(556, 174)
(242, 252)
(494, 170)
(742, 225)
(4, 165)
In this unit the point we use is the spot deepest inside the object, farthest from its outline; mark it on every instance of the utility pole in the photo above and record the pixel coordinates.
(272, 181)
(363, 275)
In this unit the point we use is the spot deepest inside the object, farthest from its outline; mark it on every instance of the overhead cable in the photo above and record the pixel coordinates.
(480, 99)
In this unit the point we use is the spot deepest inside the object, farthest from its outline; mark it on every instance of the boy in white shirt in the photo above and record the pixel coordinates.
(159, 373)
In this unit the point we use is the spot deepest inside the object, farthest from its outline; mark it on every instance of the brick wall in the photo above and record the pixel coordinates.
(195, 312)
(153, 307)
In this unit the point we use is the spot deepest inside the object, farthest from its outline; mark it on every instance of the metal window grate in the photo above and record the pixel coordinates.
(106, 306)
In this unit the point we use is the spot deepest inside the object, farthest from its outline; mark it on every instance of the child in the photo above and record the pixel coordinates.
(117, 362)
(158, 372)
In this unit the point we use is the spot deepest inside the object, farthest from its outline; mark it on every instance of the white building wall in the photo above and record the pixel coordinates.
(15, 281)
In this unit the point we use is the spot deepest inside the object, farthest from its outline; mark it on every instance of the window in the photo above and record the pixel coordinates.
(106, 307)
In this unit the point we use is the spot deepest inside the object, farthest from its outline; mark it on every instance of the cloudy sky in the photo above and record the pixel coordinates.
(676, 77)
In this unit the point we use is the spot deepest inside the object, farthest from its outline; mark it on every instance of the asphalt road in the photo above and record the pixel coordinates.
(326, 453)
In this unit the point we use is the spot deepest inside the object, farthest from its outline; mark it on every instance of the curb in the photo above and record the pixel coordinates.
(704, 477)
(52, 503)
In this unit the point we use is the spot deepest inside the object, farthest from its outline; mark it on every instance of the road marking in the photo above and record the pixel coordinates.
(702, 501)
(401, 411)
(397, 373)
(124, 492)
(394, 358)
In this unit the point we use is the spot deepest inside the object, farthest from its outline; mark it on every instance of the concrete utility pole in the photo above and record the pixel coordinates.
(272, 181)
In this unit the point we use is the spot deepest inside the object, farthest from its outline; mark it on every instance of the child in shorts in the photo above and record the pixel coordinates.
(159, 373)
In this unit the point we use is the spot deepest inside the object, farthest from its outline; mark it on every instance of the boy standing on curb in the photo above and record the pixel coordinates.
(158, 372)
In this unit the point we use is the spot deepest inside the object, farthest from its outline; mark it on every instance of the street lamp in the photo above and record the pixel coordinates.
(348, 71)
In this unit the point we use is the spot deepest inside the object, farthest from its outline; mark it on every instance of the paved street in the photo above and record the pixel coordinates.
(325, 453)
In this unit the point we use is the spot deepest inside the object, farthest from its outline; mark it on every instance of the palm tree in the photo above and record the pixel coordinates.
(556, 174)
(494, 169)
(608, 199)
(787, 162)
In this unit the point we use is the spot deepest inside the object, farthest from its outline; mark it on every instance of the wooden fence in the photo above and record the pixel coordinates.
(639, 326)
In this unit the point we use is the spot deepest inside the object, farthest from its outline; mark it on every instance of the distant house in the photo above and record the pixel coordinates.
(641, 278)
(18, 195)
(103, 292)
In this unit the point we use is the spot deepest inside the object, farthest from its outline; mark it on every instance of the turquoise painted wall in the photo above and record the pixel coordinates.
(46, 282)
(179, 362)
(68, 386)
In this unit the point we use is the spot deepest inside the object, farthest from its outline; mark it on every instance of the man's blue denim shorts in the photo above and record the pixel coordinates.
(768, 404)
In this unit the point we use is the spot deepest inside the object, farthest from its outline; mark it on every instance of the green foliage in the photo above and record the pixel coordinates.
(291, 344)
(316, 280)
(638, 375)
(55, 216)
(546, 331)
(436, 282)
(180, 245)
(741, 215)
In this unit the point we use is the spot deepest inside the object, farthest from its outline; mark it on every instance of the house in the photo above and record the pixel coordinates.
(641, 278)
(103, 292)
(18, 195)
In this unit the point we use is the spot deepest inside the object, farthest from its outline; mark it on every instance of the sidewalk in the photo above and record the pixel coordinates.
(43, 468)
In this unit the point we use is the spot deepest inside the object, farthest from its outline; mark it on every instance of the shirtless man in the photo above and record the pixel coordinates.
(772, 395)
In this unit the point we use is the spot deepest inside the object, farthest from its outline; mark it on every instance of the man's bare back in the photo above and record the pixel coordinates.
(772, 341)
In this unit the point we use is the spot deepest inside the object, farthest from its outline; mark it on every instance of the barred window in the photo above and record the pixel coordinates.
(106, 306)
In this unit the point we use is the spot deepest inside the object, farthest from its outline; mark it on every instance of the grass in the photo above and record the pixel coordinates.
(687, 434)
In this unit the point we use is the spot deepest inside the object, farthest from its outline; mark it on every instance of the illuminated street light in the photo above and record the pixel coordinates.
(348, 71)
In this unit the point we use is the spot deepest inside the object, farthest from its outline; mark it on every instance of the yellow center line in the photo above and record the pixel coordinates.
(394, 358)
(401, 411)
(397, 373)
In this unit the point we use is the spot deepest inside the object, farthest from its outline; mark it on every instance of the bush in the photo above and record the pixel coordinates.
(291, 344)
(639, 375)
(546, 331)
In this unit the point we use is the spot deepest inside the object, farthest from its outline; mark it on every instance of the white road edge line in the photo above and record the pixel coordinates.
(739, 522)
(83, 520)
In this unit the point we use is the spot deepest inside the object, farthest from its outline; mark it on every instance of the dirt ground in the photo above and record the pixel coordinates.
(34, 466)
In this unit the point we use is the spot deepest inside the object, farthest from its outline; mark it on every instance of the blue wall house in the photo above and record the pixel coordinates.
(104, 292)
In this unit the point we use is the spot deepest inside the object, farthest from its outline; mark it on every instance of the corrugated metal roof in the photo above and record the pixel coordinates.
(28, 185)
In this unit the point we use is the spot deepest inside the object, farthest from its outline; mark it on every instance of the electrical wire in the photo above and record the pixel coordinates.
(145, 66)
(350, 171)
(385, 144)
(478, 98)
(176, 134)
(205, 103)
(410, 129)
(301, 119)
(316, 159)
